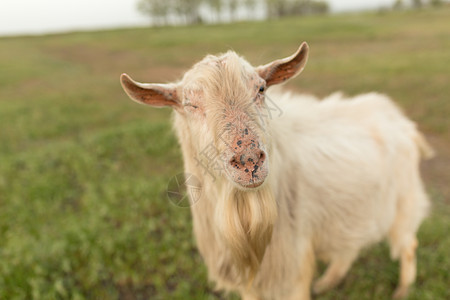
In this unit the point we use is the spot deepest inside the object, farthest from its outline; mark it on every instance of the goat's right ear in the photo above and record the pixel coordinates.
(281, 70)
(158, 95)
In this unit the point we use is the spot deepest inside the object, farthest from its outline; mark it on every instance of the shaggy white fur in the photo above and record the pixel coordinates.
(331, 176)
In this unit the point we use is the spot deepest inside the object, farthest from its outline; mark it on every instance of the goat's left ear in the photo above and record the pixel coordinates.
(158, 95)
(281, 70)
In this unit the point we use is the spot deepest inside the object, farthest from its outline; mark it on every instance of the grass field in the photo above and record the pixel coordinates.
(83, 170)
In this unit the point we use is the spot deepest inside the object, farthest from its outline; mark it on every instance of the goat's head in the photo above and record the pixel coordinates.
(221, 101)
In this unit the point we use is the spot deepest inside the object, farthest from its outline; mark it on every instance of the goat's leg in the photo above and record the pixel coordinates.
(248, 296)
(407, 269)
(403, 241)
(302, 288)
(334, 274)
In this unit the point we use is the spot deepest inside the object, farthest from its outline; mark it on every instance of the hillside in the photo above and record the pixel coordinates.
(83, 170)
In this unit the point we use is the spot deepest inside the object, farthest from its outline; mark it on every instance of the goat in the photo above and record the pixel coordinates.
(315, 180)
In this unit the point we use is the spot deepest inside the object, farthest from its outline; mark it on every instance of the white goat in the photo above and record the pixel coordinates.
(288, 179)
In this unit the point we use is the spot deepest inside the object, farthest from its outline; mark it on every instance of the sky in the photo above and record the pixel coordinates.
(48, 16)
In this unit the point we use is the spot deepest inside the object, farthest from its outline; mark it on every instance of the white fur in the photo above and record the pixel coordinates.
(340, 174)
(344, 173)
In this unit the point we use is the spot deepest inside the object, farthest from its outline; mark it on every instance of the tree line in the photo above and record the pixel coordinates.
(164, 12)
(399, 4)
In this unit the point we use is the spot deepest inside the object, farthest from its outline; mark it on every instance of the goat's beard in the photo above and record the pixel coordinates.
(246, 220)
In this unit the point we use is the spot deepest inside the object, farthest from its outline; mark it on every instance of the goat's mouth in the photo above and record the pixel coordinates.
(248, 170)
(246, 184)
(252, 185)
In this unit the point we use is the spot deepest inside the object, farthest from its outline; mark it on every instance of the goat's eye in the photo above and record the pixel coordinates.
(190, 105)
(262, 89)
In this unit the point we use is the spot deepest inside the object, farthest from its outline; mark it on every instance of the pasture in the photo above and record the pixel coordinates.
(83, 170)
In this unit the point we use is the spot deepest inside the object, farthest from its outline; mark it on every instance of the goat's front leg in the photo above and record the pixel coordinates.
(407, 269)
(248, 296)
(335, 272)
(302, 289)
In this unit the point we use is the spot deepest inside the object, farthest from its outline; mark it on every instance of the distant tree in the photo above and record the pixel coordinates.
(398, 4)
(317, 7)
(158, 10)
(417, 3)
(233, 6)
(436, 2)
(216, 7)
(280, 8)
(188, 10)
(276, 8)
(250, 6)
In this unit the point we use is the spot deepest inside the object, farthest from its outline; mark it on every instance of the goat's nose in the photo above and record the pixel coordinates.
(248, 161)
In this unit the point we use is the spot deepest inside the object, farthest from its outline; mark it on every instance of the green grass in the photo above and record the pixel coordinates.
(83, 170)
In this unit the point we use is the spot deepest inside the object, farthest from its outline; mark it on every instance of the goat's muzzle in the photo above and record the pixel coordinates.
(248, 168)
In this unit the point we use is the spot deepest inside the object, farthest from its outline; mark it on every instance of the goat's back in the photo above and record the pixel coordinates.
(354, 159)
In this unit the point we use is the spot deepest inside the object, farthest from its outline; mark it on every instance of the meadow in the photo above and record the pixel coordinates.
(83, 170)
